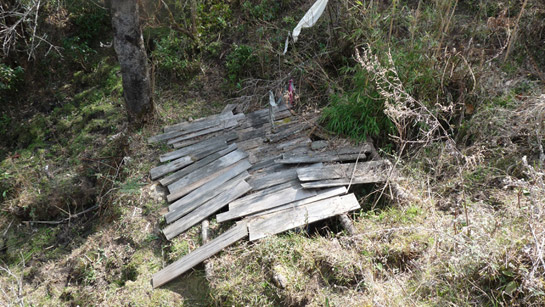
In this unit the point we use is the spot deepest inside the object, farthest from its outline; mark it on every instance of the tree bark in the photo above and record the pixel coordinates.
(129, 47)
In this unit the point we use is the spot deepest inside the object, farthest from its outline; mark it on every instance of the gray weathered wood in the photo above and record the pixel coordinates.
(265, 202)
(342, 182)
(273, 223)
(179, 163)
(222, 125)
(314, 157)
(229, 108)
(206, 209)
(251, 143)
(264, 163)
(162, 170)
(206, 191)
(190, 203)
(197, 165)
(269, 179)
(227, 136)
(323, 194)
(194, 127)
(272, 179)
(298, 142)
(200, 254)
(188, 124)
(261, 117)
(204, 145)
(260, 194)
(280, 135)
(196, 202)
(345, 171)
(197, 178)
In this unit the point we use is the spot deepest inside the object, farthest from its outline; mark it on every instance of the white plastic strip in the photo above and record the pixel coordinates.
(310, 18)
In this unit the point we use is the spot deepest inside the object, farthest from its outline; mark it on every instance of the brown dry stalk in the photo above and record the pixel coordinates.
(513, 37)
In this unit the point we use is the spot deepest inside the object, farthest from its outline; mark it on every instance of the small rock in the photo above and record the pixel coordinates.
(278, 277)
(158, 192)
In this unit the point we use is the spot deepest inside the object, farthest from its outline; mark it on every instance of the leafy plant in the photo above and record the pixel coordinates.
(358, 113)
(10, 77)
(240, 62)
(173, 56)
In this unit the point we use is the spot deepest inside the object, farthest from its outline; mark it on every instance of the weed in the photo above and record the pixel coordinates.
(240, 63)
(359, 112)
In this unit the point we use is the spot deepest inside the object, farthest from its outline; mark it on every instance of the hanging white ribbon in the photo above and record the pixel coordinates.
(309, 20)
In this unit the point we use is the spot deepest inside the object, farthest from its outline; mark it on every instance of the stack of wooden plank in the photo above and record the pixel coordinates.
(269, 175)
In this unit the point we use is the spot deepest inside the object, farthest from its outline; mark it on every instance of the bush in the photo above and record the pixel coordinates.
(359, 112)
(172, 55)
(240, 62)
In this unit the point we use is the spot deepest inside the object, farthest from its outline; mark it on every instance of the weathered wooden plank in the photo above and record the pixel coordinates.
(280, 135)
(264, 163)
(261, 117)
(182, 162)
(206, 209)
(344, 182)
(192, 203)
(268, 180)
(345, 171)
(273, 223)
(205, 192)
(206, 144)
(194, 127)
(162, 170)
(265, 202)
(314, 157)
(229, 108)
(276, 176)
(223, 125)
(186, 124)
(323, 194)
(228, 136)
(251, 143)
(200, 254)
(295, 143)
(197, 165)
(251, 198)
(197, 178)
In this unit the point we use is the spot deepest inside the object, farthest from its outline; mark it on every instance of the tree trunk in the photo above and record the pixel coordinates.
(129, 46)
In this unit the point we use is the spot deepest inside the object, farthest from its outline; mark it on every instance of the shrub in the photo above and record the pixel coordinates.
(240, 62)
(358, 112)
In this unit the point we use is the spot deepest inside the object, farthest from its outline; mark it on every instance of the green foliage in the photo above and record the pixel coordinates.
(90, 19)
(263, 10)
(173, 55)
(213, 17)
(10, 77)
(359, 112)
(240, 62)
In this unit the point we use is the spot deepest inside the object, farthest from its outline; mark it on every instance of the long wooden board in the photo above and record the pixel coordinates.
(265, 202)
(182, 162)
(197, 165)
(345, 171)
(162, 170)
(205, 192)
(273, 223)
(199, 200)
(200, 146)
(223, 125)
(200, 254)
(195, 127)
(323, 194)
(205, 210)
(197, 178)
(186, 124)
(227, 136)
